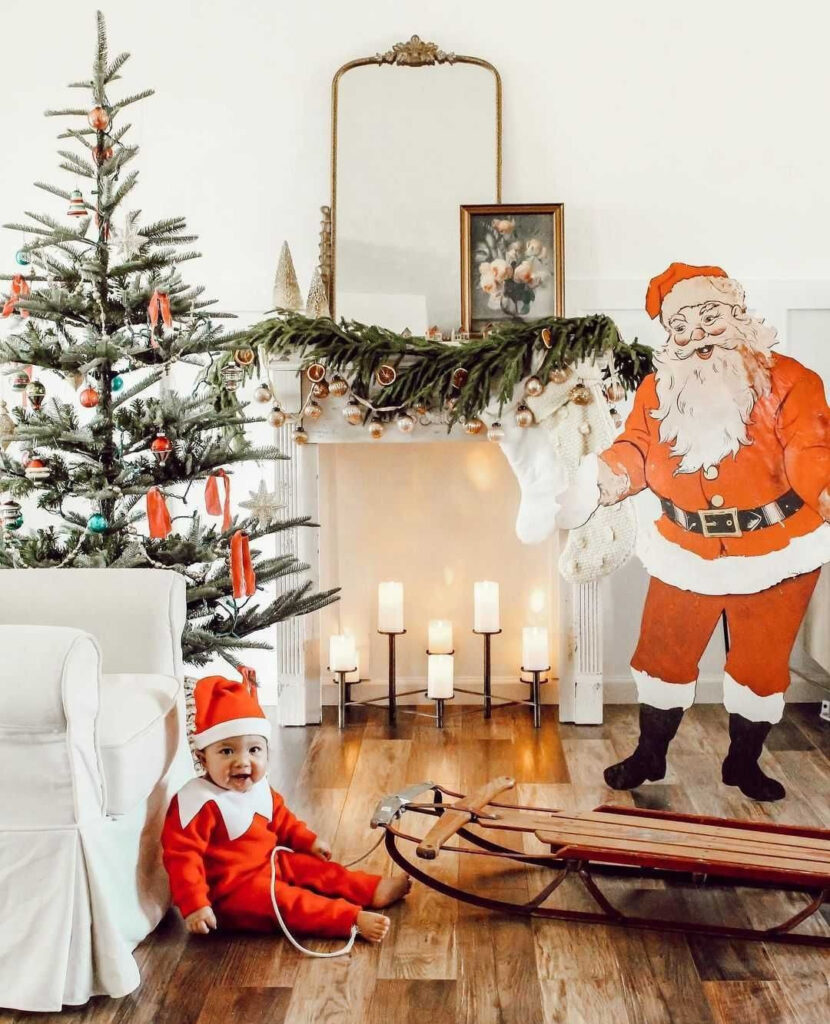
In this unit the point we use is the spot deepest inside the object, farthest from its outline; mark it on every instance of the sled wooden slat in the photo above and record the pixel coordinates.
(567, 842)
(723, 839)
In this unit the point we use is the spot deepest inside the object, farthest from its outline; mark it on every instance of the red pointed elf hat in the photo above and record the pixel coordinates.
(225, 708)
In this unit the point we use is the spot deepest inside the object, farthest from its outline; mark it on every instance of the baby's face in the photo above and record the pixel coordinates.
(237, 763)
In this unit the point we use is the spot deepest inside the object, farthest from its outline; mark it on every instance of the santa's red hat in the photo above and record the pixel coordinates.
(683, 285)
(224, 708)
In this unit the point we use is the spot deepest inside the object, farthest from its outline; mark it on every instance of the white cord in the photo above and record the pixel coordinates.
(308, 952)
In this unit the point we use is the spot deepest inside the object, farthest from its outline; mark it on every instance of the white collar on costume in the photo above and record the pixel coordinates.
(237, 809)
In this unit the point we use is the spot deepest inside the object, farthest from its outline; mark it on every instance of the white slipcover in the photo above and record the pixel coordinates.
(92, 747)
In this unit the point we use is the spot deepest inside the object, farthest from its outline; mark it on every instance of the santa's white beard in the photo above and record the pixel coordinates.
(705, 405)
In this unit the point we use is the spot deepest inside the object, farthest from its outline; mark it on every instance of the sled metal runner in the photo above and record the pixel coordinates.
(620, 842)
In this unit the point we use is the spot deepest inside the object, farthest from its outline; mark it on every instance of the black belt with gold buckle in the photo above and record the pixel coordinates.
(733, 522)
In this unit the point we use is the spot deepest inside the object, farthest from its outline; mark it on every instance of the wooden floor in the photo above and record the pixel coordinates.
(445, 962)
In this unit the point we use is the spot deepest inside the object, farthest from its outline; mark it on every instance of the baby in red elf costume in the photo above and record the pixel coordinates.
(221, 830)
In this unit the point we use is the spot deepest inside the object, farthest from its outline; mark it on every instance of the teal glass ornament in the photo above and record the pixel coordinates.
(117, 383)
(21, 258)
(15, 524)
(97, 523)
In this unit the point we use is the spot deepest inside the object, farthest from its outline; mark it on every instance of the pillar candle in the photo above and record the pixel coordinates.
(535, 655)
(440, 637)
(486, 616)
(354, 677)
(342, 653)
(439, 676)
(390, 607)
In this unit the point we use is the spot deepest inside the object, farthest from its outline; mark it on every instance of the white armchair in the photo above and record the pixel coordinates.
(92, 746)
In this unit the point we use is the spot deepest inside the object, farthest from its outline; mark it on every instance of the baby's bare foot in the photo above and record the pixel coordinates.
(372, 927)
(390, 890)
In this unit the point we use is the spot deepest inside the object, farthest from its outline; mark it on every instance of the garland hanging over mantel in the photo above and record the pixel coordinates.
(390, 372)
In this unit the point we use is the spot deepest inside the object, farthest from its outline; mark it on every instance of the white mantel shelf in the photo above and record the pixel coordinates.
(299, 672)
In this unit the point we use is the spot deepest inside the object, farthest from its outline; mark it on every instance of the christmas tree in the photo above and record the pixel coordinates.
(100, 302)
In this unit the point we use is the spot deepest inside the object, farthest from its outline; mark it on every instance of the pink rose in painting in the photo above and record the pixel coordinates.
(535, 248)
(514, 252)
(505, 226)
(524, 274)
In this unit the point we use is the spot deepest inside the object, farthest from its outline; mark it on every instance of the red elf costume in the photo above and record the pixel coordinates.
(218, 844)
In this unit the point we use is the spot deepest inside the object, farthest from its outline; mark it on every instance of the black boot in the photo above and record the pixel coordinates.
(648, 762)
(740, 768)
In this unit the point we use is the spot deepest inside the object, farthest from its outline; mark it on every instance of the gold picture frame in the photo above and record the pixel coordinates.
(512, 263)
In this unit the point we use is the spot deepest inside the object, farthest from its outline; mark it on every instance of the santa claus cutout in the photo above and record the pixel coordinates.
(734, 439)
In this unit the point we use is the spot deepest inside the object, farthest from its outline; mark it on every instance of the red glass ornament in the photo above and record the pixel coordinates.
(161, 448)
(89, 398)
(98, 118)
(100, 154)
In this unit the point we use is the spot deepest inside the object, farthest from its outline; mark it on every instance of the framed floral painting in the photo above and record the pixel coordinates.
(512, 263)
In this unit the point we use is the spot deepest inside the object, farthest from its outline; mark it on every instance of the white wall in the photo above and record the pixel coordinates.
(671, 132)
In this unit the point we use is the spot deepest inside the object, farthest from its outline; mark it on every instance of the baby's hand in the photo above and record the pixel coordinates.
(321, 849)
(200, 921)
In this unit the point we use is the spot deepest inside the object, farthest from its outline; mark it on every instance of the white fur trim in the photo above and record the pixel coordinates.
(694, 291)
(740, 700)
(233, 727)
(237, 809)
(660, 694)
(730, 574)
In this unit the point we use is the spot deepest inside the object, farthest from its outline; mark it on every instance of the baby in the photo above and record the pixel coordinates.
(221, 831)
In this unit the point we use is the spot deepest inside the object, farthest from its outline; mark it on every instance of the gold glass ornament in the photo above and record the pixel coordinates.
(316, 372)
(422, 408)
(376, 429)
(36, 392)
(386, 375)
(524, 417)
(534, 387)
(300, 436)
(579, 395)
(276, 417)
(459, 377)
(320, 389)
(244, 356)
(313, 410)
(473, 426)
(495, 432)
(614, 391)
(338, 387)
(352, 413)
(547, 338)
(405, 423)
(262, 393)
(559, 375)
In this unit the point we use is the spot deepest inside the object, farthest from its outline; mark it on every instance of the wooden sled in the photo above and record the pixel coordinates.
(616, 841)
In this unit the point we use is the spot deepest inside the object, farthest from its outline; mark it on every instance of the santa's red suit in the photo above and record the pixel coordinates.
(219, 843)
(217, 851)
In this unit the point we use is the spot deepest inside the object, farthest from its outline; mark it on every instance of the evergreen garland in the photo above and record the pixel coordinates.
(495, 364)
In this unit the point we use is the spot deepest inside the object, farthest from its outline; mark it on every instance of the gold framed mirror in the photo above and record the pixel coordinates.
(416, 132)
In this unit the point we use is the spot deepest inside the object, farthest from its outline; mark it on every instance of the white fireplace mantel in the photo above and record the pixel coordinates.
(299, 672)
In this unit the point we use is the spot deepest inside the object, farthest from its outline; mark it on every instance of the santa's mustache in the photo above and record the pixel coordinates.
(687, 351)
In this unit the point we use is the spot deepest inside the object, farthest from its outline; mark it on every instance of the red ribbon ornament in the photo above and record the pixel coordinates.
(243, 579)
(212, 503)
(19, 290)
(159, 306)
(157, 514)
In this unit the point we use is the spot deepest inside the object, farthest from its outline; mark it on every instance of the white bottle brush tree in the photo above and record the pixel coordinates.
(99, 301)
